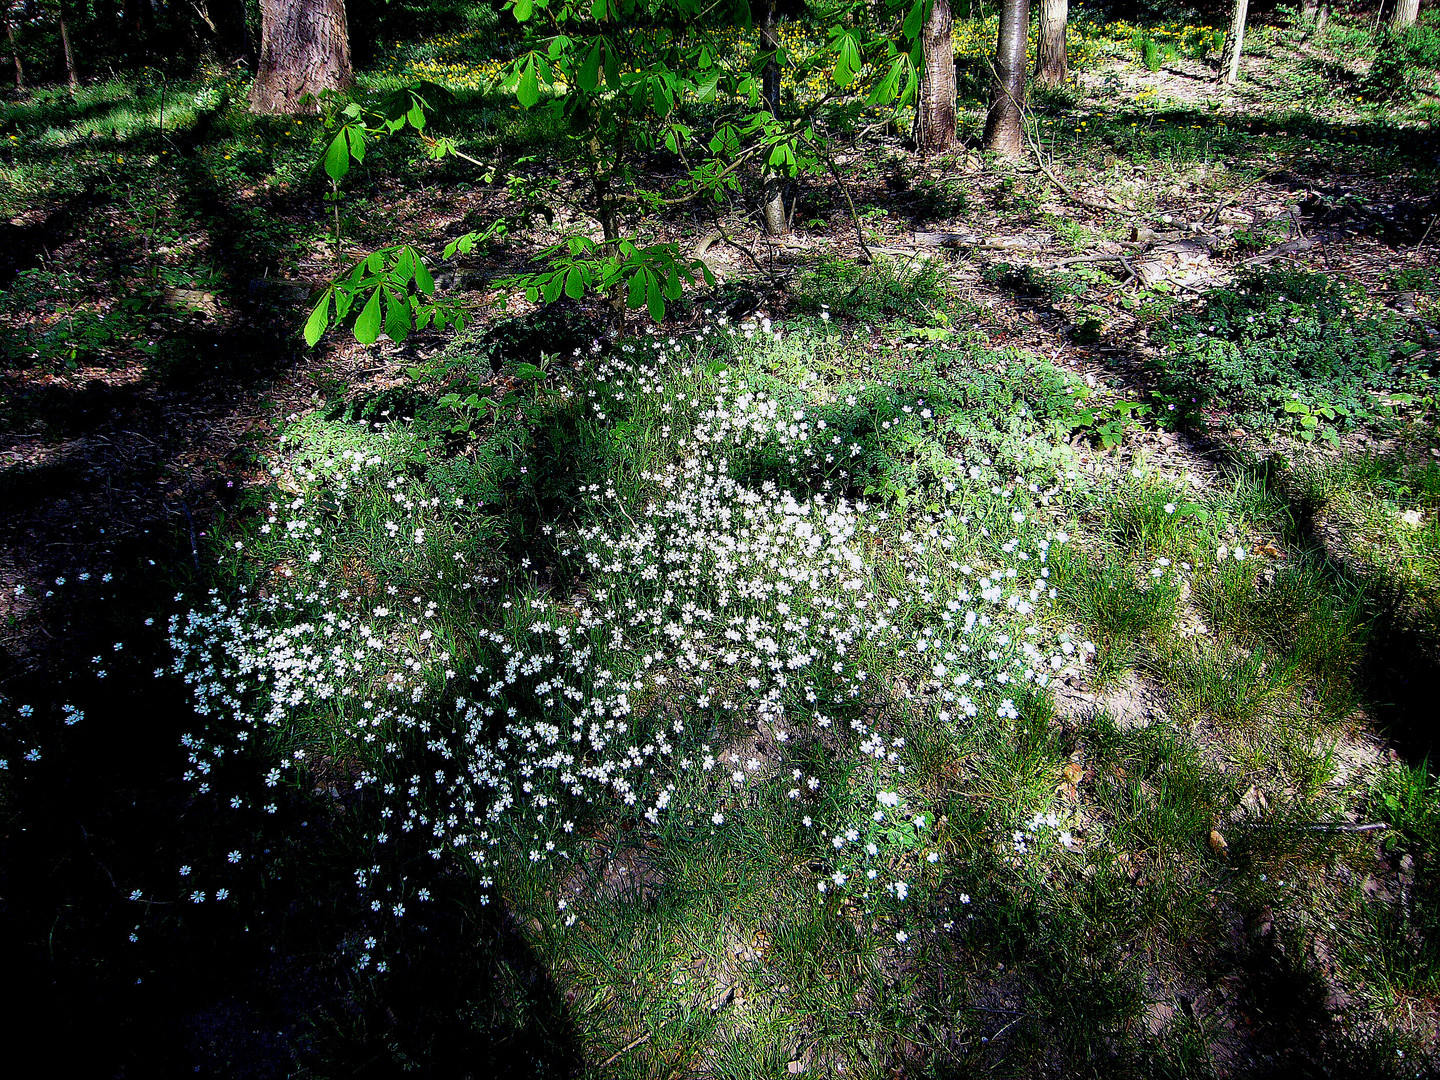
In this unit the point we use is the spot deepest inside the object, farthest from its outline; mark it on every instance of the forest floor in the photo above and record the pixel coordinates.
(1184, 356)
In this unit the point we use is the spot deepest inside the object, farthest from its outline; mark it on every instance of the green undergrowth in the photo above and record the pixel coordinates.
(1297, 351)
(777, 714)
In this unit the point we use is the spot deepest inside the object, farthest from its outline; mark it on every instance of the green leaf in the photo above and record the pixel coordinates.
(367, 323)
(319, 319)
(911, 27)
(655, 300)
(589, 76)
(397, 317)
(528, 91)
(522, 10)
(551, 289)
(885, 91)
(355, 134)
(575, 283)
(636, 297)
(337, 157)
(423, 280)
(847, 58)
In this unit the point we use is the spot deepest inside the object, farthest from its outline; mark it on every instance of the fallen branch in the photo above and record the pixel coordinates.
(1279, 251)
(1234, 196)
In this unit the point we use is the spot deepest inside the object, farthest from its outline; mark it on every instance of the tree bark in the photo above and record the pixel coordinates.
(15, 56)
(1404, 14)
(777, 222)
(1052, 64)
(1234, 43)
(304, 50)
(935, 109)
(1318, 11)
(71, 74)
(1003, 132)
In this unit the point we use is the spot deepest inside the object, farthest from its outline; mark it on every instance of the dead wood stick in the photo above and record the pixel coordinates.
(854, 217)
(1233, 197)
(1315, 826)
(624, 1049)
(1073, 260)
(725, 237)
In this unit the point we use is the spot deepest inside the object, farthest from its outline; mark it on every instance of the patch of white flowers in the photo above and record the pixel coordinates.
(710, 637)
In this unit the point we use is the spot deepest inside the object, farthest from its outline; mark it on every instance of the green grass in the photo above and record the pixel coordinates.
(1143, 805)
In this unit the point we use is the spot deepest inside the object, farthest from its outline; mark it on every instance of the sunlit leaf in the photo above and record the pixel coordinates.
(367, 323)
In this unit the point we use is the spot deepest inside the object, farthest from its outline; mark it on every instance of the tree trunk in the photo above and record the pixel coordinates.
(15, 56)
(1404, 14)
(71, 74)
(1322, 16)
(1052, 65)
(1003, 132)
(304, 49)
(1234, 43)
(777, 222)
(935, 110)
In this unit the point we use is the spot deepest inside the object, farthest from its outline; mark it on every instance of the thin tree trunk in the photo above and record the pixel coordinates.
(304, 50)
(1404, 14)
(1322, 17)
(205, 36)
(1052, 64)
(1234, 43)
(15, 56)
(776, 221)
(1003, 132)
(71, 74)
(935, 111)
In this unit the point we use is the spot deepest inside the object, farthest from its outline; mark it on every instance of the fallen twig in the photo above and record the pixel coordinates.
(854, 217)
(624, 1049)
(1315, 826)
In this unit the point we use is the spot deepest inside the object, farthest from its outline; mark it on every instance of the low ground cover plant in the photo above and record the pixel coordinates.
(1292, 349)
(888, 676)
(721, 631)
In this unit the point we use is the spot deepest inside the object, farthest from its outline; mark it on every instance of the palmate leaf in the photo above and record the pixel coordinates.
(423, 279)
(847, 55)
(914, 19)
(636, 296)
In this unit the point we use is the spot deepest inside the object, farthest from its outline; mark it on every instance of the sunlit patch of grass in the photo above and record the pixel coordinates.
(1387, 511)
(1231, 687)
(1123, 609)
